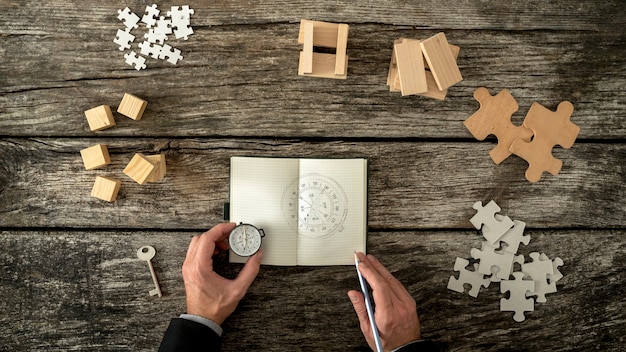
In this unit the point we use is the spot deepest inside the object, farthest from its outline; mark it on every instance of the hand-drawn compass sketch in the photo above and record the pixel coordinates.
(315, 205)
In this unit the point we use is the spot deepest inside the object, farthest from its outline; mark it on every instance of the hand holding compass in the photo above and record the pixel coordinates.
(245, 239)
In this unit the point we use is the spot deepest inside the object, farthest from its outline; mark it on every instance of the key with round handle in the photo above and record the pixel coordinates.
(147, 253)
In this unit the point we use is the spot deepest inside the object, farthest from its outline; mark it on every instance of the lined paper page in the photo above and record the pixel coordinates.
(333, 211)
(256, 191)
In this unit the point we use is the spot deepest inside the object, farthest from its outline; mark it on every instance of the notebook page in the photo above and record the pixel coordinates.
(333, 211)
(256, 189)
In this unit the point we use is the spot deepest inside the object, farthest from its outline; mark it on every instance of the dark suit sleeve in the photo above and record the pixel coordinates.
(186, 335)
(420, 346)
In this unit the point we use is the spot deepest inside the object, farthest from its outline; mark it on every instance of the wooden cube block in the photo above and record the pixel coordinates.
(441, 61)
(100, 118)
(106, 188)
(159, 171)
(139, 168)
(95, 156)
(132, 106)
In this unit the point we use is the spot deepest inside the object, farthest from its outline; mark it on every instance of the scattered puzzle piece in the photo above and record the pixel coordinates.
(129, 18)
(153, 37)
(149, 49)
(172, 55)
(514, 236)
(473, 278)
(517, 301)
(539, 270)
(494, 117)
(134, 60)
(492, 228)
(490, 259)
(150, 18)
(550, 128)
(123, 39)
(163, 26)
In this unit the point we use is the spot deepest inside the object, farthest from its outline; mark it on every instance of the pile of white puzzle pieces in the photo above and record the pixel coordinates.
(496, 259)
(176, 21)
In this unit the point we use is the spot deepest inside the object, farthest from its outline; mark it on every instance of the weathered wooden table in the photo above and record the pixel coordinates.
(70, 279)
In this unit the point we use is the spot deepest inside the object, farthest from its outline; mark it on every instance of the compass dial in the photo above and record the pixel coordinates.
(316, 205)
(245, 240)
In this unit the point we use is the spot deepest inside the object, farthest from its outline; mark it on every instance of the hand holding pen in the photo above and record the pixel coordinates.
(395, 310)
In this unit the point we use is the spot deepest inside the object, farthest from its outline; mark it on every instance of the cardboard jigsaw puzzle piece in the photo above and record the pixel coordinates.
(473, 278)
(514, 236)
(498, 263)
(492, 228)
(539, 270)
(129, 18)
(123, 39)
(517, 301)
(549, 128)
(494, 118)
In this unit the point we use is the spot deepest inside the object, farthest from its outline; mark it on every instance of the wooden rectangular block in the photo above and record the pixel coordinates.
(323, 66)
(325, 33)
(132, 106)
(441, 61)
(434, 91)
(100, 118)
(160, 168)
(341, 50)
(139, 168)
(410, 66)
(106, 188)
(95, 156)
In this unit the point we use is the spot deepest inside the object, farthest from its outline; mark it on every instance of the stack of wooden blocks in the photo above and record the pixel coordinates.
(323, 36)
(427, 67)
(141, 168)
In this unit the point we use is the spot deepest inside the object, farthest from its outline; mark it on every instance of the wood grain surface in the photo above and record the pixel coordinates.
(70, 279)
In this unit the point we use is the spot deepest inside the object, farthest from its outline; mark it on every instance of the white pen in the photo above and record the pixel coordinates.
(368, 306)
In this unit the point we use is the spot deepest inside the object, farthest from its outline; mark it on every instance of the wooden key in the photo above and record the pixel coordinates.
(147, 253)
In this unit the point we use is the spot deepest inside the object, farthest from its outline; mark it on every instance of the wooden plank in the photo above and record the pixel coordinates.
(48, 97)
(449, 14)
(307, 51)
(341, 59)
(325, 33)
(412, 185)
(410, 65)
(86, 290)
(441, 62)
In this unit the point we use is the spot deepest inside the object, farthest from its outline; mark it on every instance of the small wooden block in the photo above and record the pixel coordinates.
(326, 35)
(307, 51)
(132, 106)
(441, 61)
(106, 188)
(323, 66)
(139, 168)
(95, 156)
(410, 65)
(341, 48)
(100, 118)
(159, 171)
(434, 91)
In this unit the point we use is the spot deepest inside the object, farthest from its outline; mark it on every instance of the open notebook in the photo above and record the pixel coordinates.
(313, 211)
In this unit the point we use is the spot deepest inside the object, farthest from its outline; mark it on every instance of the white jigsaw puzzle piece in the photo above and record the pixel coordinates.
(172, 55)
(489, 259)
(123, 39)
(492, 228)
(517, 301)
(163, 26)
(150, 18)
(155, 38)
(473, 278)
(129, 18)
(178, 12)
(514, 236)
(539, 271)
(134, 60)
(149, 49)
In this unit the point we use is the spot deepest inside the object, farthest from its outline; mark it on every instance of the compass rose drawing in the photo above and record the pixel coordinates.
(315, 205)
